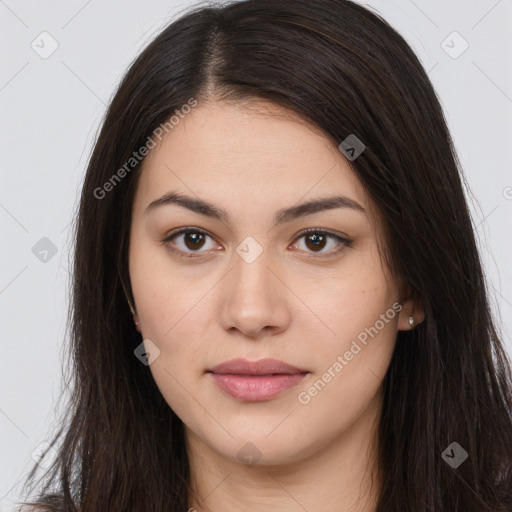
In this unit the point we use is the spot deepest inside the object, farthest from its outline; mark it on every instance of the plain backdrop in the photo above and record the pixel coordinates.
(52, 105)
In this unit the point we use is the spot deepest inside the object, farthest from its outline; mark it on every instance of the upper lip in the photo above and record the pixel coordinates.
(261, 367)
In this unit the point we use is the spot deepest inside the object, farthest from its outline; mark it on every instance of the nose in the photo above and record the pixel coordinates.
(255, 298)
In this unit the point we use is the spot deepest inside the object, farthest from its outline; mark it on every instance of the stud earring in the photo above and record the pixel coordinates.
(137, 324)
(411, 320)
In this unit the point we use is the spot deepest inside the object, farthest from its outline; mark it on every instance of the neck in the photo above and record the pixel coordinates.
(343, 475)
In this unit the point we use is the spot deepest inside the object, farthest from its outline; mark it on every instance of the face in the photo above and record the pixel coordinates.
(250, 283)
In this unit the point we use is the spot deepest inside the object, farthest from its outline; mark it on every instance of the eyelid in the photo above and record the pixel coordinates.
(344, 240)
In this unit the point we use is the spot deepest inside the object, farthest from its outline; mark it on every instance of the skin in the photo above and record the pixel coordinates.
(253, 160)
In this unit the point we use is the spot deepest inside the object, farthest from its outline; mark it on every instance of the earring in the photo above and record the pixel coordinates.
(137, 324)
(411, 320)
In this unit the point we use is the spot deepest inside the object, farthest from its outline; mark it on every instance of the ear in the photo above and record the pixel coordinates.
(132, 309)
(410, 308)
(135, 316)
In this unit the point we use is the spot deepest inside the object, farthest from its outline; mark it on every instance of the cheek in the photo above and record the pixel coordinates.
(171, 307)
(161, 296)
(351, 363)
(351, 299)
(359, 311)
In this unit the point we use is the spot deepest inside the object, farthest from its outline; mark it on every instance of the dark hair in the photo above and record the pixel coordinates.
(347, 71)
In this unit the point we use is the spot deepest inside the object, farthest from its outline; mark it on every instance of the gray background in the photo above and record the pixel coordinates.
(51, 109)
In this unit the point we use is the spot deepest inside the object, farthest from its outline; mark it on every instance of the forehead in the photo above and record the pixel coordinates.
(247, 154)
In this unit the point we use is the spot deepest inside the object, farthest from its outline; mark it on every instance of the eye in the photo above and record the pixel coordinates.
(317, 239)
(193, 239)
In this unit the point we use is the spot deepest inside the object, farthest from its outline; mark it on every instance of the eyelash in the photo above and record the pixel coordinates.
(345, 242)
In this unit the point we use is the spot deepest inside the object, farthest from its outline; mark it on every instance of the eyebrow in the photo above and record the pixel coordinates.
(281, 216)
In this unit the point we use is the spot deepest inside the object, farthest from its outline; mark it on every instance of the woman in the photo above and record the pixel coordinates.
(278, 301)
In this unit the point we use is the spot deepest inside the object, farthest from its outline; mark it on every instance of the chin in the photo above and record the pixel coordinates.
(253, 449)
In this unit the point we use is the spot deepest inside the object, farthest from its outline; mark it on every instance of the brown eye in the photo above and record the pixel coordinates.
(315, 240)
(188, 241)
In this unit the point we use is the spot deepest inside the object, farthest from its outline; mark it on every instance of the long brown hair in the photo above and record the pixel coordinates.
(345, 69)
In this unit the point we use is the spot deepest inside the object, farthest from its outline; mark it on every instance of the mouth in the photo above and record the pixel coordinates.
(256, 381)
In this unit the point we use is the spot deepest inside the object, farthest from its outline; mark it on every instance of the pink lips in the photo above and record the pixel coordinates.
(256, 381)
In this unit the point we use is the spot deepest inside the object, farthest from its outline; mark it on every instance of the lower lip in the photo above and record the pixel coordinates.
(256, 388)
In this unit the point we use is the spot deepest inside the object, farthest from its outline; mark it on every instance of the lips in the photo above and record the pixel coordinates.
(256, 381)
(261, 367)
